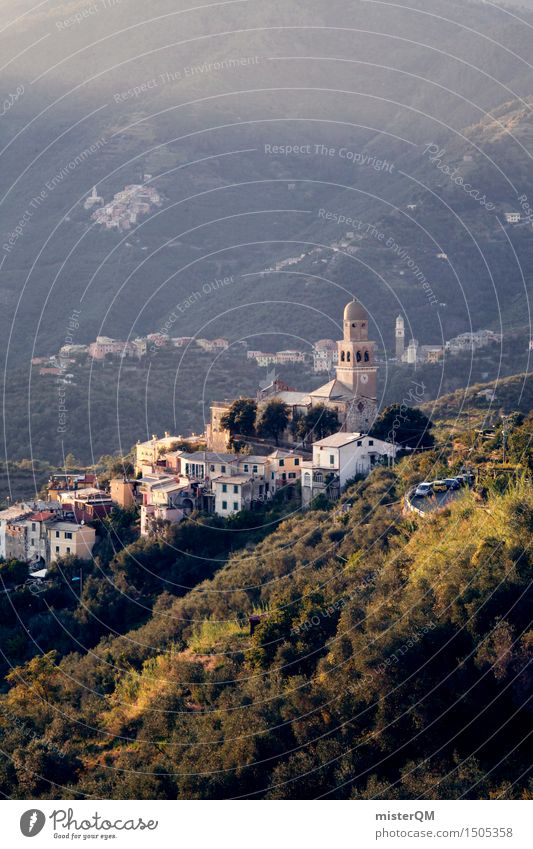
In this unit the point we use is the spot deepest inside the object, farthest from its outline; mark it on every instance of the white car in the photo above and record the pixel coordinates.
(423, 489)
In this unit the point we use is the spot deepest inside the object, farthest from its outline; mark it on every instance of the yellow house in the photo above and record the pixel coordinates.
(69, 538)
(148, 453)
(284, 467)
(122, 493)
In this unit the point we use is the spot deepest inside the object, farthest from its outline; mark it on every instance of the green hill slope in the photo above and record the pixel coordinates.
(390, 661)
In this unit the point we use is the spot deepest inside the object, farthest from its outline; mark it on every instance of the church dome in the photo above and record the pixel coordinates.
(354, 311)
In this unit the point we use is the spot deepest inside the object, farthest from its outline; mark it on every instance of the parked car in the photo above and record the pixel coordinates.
(452, 483)
(440, 486)
(423, 489)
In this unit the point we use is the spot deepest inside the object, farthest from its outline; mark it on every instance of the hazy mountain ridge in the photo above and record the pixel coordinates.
(137, 131)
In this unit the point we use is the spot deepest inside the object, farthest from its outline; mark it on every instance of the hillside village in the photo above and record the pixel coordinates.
(283, 445)
(321, 358)
(173, 478)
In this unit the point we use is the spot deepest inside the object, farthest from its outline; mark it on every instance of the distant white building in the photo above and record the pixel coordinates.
(213, 345)
(94, 199)
(400, 338)
(513, 217)
(411, 354)
(325, 356)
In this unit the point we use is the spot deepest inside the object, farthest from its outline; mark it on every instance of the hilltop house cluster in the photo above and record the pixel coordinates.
(171, 484)
(171, 481)
(105, 346)
(143, 345)
(324, 356)
(41, 531)
(127, 206)
(414, 353)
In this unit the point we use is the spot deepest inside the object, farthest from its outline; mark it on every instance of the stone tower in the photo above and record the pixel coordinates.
(356, 369)
(400, 338)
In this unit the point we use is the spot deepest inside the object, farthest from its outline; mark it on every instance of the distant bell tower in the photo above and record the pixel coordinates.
(400, 338)
(356, 369)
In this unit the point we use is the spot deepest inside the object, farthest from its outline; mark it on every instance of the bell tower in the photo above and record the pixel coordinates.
(400, 338)
(356, 368)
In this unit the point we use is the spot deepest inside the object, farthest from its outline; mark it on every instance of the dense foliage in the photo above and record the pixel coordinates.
(241, 417)
(273, 420)
(406, 426)
(390, 658)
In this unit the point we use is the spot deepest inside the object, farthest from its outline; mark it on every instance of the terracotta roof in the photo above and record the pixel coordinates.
(41, 517)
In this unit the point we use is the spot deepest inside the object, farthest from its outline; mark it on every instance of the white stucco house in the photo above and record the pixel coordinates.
(339, 458)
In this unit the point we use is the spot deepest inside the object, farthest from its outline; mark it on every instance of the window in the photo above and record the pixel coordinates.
(68, 535)
(292, 475)
(223, 470)
(246, 467)
(359, 442)
(235, 489)
(307, 479)
(211, 468)
(32, 542)
(68, 550)
(296, 461)
(332, 459)
(57, 534)
(272, 475)
(224, 487)
(224, 505)
(254, 469)
(33, 526)
(57, 549)
(370, 441)
(235, 505)
(281, 463)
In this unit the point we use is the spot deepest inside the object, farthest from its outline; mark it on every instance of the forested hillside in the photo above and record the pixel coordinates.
(390, 659)
(380, 84)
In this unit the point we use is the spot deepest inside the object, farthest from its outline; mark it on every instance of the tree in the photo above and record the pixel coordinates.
(240, 418)
(406, 426)
(71, 462)
(274, 420)
(13, 572)
(318, 423)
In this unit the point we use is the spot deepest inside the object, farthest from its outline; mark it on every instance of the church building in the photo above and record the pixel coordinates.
(352, 393)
